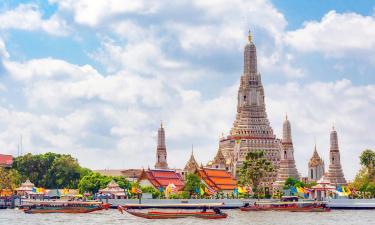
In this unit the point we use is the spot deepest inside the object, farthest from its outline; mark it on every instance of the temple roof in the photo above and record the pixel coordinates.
(162, 178)
(6, 160)
(113, 188)
(219, 158)
(191, 164)
(315, 160)
(217, 179)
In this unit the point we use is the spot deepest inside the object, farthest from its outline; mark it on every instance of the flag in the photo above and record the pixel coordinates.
(339, 189)
(201, 191)
(235, 191)
(134, 190)
(241, 190)
(197, 190)
(293, 190)
(348, 190)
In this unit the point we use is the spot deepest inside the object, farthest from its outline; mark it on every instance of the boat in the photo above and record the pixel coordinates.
(287, 206)
(62, 207)
(215, 214)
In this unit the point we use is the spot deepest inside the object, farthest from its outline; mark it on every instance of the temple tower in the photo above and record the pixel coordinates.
(315, 167)
(161, 150)
(251, 129)
(287, 166)
(335, 174)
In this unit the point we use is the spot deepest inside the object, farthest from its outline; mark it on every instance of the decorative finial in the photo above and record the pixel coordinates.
(192, 149)
(315, 143)
(286, 116)
(249, 36)
(161, 123)
(333, 126)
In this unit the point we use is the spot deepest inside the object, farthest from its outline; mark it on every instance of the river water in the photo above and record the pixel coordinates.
(236, 217)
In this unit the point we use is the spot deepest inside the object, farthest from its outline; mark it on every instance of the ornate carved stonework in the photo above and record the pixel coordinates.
(335, 174)
(251, 129)
(191, 165)
(316, 167)
(161, 150)
(287, 164)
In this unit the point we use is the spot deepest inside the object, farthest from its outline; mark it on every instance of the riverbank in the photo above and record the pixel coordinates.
(230, 203)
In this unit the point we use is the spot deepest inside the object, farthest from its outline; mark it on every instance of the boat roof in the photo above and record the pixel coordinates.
(62, 202)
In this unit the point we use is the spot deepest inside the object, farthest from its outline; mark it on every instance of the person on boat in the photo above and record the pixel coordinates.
(217, 210)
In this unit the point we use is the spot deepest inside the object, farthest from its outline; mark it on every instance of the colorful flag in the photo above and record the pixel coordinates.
(201, 191)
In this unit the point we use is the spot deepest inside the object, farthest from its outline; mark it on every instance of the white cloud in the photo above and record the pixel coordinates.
(335, 34)
(28, 17)
(93, 13)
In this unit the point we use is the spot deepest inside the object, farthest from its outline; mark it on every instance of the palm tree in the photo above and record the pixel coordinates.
(254, 169)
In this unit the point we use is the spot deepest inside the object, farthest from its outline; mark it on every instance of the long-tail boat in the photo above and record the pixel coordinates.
(215, 214)
(62, 207)
(288, 206)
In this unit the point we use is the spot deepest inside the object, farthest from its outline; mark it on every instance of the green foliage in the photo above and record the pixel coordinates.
(291, 182)
(149, 189)
(93, 182)
(50, 170)
(367, 159)
(364, 181)
(9, 179)
(254, 168)
(192, 183)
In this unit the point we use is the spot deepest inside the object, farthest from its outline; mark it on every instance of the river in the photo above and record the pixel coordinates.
(236, 217)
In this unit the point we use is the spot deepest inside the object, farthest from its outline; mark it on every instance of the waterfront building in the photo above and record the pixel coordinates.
(287, 167)
(6, 160)
(161, 150)
(114, 190)
(335, 174)
(251, 129)
(160, 179)
(218, 180)
(25, 188)
(315, 167)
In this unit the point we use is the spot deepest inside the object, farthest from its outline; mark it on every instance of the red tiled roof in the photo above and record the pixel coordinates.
(217, 179)
(6, 160)
(161, 178)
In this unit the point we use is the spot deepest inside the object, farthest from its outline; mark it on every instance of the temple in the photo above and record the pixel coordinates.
(335, 174)
(161, 150)
(315, 167)
(191, 165)
(287, 164)
(251, 129)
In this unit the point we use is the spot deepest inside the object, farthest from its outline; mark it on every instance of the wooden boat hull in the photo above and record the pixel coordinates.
(177, 215)
(61, 210)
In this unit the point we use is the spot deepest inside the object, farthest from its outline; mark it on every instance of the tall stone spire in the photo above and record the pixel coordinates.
(251, 129)
(335, 174)
(161, 150)
(287, 164)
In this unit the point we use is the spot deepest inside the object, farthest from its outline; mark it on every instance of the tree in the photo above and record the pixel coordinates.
(367, 160)
(9, 179)
(93, 182)
(50, 170)
(291, 182)
(254, 169)
(193, 182)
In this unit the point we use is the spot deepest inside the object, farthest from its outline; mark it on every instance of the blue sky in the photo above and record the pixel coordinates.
(95, 79)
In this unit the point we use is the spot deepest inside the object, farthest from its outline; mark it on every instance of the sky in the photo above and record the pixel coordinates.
(94, 78)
